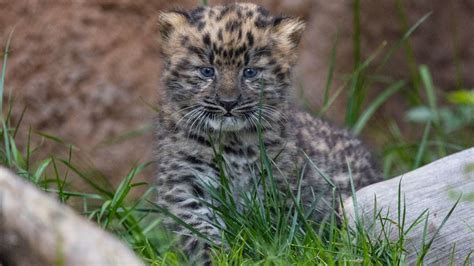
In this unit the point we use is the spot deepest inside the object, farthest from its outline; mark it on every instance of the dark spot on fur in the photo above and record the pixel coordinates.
(198, 51)
(196, 16)
(172, 198)
(211, 58)
(175, 74)
(219, 35)
(206, 39)
(250, 152)
(280, 76)
(174, 166)
(184, 40)
(214, 167)
(250, 39)
(232, 25)
(263, 51)
(198, 19)
(231, 150)
(197, 190)
(263, 11)
(240, 50)
(197, 11)
(193, 160)
(186, 216)
(224, 12)
(201, 140)
(278, 20)
(192, 205)
(270, 143)
(183, 64)
(261, 23)
(246, 58)
(277, 70)
(201, 25)
(159, 182)
(239, 13)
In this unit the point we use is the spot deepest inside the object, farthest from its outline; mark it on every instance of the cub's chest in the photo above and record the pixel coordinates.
(239, 163)
(239, 160)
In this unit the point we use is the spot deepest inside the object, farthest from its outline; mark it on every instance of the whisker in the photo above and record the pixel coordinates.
(186, 108)
(258, 121)
(188, 114)
(274, 110)
(250, 117)
(198, 117)
(245, 107)
(190, 121)
(201, 122)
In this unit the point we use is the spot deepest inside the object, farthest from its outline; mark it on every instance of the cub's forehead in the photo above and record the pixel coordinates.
(231, 16)
(234, 34)
(231, 24)
(231, 34)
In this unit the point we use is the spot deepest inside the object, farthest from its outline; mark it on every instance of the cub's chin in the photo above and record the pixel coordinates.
(227, 124)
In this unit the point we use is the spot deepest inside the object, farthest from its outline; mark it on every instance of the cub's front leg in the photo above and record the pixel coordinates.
(181, 193)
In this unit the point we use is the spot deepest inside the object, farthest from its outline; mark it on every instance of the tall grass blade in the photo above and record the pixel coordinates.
(430, 91)
(422, 147)
(330, 75)
(426, 247)
(6, 51)
(409, 54)
(374, 105)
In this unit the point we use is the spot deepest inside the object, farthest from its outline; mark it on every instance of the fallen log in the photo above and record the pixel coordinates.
(35, 229)
(434, 188)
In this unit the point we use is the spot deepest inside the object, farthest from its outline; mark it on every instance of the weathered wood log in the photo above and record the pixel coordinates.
(35, 229)
(435, 187)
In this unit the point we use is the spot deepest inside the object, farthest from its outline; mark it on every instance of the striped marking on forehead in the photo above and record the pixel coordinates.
(232, 15)
(231, 31)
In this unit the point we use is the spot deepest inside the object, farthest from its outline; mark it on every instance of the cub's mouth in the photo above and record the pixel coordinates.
(228, 122)
(205, 118)
(248, 120)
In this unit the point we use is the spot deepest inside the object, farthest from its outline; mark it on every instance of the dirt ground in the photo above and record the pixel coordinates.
(88, 71)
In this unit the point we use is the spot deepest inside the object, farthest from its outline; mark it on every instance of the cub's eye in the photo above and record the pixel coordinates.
(207, 72)
(250, 73)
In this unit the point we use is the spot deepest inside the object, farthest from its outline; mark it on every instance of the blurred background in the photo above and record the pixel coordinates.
(86, 74)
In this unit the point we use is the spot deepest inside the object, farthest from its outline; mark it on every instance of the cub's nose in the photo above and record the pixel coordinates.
(228, 105)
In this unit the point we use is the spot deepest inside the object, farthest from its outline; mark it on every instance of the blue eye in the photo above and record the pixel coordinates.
(250, 73)
(207, 72)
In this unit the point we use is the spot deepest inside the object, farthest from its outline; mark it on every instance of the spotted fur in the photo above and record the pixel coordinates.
(198, 109)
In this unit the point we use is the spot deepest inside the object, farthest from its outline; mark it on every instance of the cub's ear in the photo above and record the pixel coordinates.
(289, 30)
(170, 21)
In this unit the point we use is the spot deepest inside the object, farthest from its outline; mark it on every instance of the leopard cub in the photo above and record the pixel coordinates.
(227, 74)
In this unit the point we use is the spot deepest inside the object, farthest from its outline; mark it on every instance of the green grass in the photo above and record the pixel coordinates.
(265, 230)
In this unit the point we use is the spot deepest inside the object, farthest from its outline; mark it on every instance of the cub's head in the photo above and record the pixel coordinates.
(222, 63)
